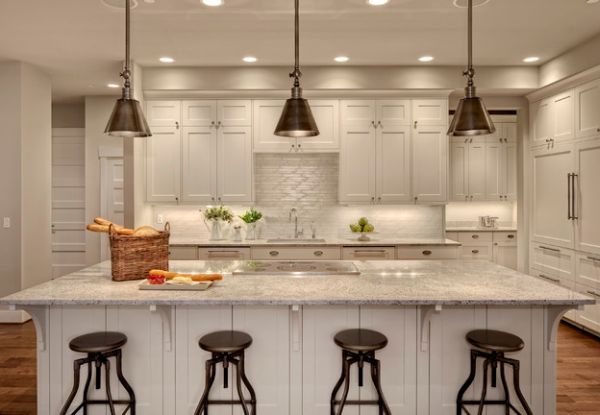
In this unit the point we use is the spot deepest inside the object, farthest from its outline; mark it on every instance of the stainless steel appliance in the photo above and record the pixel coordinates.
(488, 221)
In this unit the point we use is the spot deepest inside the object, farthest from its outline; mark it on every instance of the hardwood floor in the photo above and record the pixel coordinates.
(578, 389)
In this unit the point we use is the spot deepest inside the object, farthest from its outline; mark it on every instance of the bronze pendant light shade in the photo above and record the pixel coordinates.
(127, 118)
(471, 117)
(296, 119)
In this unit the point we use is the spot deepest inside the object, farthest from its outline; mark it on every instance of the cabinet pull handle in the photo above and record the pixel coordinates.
(379, 124)
(475, 251)
(177, 125)
(591, 258)
(574, 177)
(379, 253)
(427, 252)
(416, 123)
(475, 236)
(318, 253)
(511, 236)
(594, 294)
(549, 278)
(223, 253)
(373, 124)
(569, 215)
(274, 253)
(549, 249)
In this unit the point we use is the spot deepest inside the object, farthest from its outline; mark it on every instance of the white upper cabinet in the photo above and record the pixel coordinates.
(509, 170)
(552, 119)
(327, 117)
(163, 165)
(459, 170)
(266, 116)
(199, 164)
(234, 167)
(234, 113)
(394, 112)
(494, 168)
(429, 163)
(163, 113)
(393, 163)
(587, 166)
(587, 110)
(550, 215)
(477, 169)
(430, 112)
(202, 113)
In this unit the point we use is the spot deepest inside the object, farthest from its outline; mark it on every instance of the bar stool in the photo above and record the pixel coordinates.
(492, 345)
(359, 346)
(226, 347)
(99, 348)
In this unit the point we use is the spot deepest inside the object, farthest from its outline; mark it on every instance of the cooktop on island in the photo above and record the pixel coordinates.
(297, 268)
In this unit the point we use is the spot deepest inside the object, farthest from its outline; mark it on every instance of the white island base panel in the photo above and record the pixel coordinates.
(293, 362)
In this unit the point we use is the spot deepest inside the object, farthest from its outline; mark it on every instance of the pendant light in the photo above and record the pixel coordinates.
(471, 117)
(127, 118)
(296, 119)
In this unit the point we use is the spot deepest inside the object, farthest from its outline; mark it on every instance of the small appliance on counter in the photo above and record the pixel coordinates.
(489, 222)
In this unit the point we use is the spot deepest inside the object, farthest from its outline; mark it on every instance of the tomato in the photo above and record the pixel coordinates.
(156, 279)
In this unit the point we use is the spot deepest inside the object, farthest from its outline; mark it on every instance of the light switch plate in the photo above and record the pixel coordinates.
(6, 222)
(160, 219)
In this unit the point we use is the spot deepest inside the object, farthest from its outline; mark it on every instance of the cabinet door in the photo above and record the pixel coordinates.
(199, 164)
(369, 253)
(430, 112)
(509, 131)
(234, 112)
(199, 113)
(183, 253)
(588, 271)
(327, 117)
(163, 113)
(393, 112)
(163, 165)
(358, 152)
(587, 116)
(494, 170)
(459, 165)
(221, 253)
(393, 163)
(266, 115)
(590, 315)
(234, 166)
(429, 163)
(505, 254)
(509, 170)
(554, 262)
(550, 222)
(477, 172)
(587, 160)
(562, 116)
(541, 122)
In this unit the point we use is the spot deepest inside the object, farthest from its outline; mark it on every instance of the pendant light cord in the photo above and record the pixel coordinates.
(126, 74)
(469, 73)
(296, 74)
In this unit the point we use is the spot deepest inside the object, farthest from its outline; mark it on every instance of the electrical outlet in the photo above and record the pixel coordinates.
(160, 219)
(6, 222)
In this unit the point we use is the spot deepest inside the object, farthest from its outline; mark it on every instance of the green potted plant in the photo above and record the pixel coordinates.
(251, 218)
(217, 215)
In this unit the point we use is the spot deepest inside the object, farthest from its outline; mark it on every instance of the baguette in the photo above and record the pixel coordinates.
(102, 221)
(195, 277)
(95, 227)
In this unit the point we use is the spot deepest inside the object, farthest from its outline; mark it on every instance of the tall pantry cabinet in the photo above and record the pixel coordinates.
(200, 151)
(565, 168)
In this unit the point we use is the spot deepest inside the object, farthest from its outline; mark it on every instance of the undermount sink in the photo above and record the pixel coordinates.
(294, 240)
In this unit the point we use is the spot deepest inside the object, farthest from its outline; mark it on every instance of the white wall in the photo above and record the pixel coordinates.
(68, 115)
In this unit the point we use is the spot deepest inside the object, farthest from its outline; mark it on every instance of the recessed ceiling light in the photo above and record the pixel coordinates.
(113, 85)
(592, 1)
(212, 3)
(463, 4)
(166, 59)
(119, 4)
(341, 59)
(531, 59)
(249, 59)
(377, 2)
(426, 58)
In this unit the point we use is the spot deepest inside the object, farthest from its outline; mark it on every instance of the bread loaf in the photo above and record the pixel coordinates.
(146, 231)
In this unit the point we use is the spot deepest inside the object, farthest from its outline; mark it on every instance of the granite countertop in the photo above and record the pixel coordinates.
(192, 241)
(478, 229)
(447, 282)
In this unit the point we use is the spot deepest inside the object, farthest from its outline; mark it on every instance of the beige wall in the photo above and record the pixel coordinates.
(97, 112)
(576, 60)
(68, 115)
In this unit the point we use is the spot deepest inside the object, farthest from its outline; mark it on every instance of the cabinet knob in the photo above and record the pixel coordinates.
(511, 236)
(274, 253)
(177, 124)
(416, 123)
(475, 251)
(219, 199)
(318, 253)
(598, 130)
(475, 236)
(373, 124)
(379, 198)
(379, 124)
(427, 252)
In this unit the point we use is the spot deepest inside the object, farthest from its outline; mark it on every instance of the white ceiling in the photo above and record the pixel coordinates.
(79, 42)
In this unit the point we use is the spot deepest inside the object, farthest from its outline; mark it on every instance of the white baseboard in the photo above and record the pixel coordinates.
(15, 317)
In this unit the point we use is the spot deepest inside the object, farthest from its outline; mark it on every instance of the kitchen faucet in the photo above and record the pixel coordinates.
(294, 212)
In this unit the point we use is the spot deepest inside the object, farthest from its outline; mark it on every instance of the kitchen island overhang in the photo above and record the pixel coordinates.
(424, 307)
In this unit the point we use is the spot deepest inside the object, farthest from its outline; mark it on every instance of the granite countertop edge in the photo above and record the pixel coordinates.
(328, 242)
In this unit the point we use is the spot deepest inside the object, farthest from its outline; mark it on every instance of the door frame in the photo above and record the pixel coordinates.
(105, 154)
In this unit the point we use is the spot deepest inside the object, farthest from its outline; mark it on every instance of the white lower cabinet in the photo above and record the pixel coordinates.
(369, 253)
(499, 247)
(180, 253)
(428, 252)
(277, 252)
(223, 253)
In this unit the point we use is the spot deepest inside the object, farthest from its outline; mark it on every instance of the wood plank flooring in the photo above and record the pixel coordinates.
(578, 389)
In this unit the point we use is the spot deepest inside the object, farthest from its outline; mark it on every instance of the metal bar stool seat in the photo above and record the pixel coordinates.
(227, 347)
(491, 345)
(359, 346)
(99, 347)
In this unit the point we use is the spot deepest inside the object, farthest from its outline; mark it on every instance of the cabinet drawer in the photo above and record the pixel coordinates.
(369, 253)
(183, 253)
(223, 253)
(476, 237)
(296, 253)
(553, 261)
(505, 237)
(428, 252)
(549, 278)
(476, 251)
(589, 317)
(587, 269)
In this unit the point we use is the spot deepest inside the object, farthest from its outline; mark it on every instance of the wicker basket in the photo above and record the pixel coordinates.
(133, 256)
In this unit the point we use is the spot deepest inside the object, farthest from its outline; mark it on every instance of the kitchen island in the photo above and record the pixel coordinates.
(425, 308)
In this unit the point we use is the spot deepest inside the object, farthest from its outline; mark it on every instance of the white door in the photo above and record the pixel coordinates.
(199, 164)
(587, 191)
(550, 169)
(327, 117)
(163, 113)
(429, 163)
(234, 113)
(563, 108)
(68, 200)
(234, 166)
(266, 114)
(505, 254)
(494, 171)
(393, 163)
(198, 113)
(587, 116)
(430, 112)
(358, 155)
(111, 197)
(163, 165)
(459, 165)
(477, 177)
